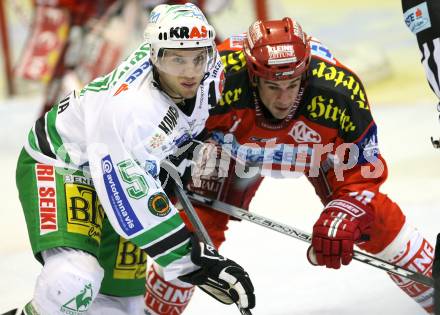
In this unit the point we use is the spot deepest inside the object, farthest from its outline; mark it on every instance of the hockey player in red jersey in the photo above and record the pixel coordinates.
(289, 105)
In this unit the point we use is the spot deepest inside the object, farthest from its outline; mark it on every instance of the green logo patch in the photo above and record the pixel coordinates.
(80, 303)
(159, 205)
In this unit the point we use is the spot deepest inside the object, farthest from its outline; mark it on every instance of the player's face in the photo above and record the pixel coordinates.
(182, 70)
(279, 96)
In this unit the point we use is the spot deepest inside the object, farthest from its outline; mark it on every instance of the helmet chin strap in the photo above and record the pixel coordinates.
(177, 99)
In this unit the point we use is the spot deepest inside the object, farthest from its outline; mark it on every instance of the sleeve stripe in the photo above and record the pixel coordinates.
(40, 130)
(436, 56)
(54, 136)
(174, 255)
(33, 141)
(169, 242)
(432, 62)
(158, 231)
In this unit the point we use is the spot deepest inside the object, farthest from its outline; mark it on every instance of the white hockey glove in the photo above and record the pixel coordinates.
(222, 278)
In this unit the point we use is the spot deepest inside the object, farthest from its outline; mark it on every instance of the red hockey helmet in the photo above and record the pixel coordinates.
(276, 50)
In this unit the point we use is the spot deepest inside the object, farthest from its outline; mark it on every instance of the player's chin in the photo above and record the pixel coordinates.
(281, 114)
(188, 92)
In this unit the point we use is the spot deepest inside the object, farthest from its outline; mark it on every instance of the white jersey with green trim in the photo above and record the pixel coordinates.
(119, 128)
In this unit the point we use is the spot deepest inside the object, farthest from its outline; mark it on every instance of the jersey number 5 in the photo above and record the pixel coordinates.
(139, 187)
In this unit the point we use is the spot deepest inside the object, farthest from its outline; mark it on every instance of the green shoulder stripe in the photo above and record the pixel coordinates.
(108, 81)
(32, 140)
(54, 137)
(101, 83)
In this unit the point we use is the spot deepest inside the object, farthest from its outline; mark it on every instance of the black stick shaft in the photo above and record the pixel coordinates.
(200, 230)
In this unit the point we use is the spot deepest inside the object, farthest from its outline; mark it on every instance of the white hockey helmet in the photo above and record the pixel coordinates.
(178, 26)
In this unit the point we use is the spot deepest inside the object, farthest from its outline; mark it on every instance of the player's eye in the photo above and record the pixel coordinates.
(199, 60)
(178, 60)
(293, 86)
(273, 88)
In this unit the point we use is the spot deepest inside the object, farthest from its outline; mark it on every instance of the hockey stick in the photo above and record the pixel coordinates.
(201, 232)
(239, 213)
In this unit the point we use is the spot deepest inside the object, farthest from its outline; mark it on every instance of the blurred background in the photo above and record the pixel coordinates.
(368, 36)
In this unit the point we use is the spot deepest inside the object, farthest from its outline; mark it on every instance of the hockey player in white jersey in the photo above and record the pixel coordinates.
(88, 178)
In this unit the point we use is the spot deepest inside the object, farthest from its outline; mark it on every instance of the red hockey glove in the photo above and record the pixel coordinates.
(344, 222)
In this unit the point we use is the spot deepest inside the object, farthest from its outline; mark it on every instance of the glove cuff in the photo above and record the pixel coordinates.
(348, 205)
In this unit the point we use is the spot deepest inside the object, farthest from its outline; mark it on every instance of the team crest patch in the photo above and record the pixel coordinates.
(80, 303)
(303, 133)
(159, 205)
(157, 140)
